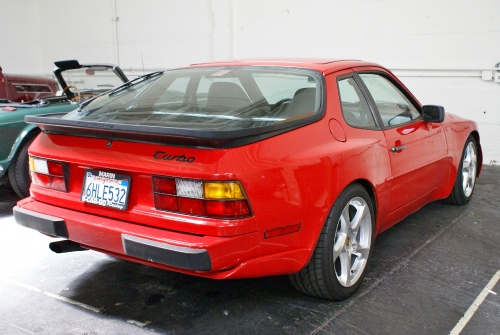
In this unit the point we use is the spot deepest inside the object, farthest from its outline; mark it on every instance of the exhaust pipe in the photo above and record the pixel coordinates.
(60, 247)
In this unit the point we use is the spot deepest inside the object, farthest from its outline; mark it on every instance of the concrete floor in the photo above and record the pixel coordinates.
(425, 274)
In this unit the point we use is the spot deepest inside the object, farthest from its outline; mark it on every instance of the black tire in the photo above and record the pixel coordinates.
(19, 174)
(466, 175)
(326, 276)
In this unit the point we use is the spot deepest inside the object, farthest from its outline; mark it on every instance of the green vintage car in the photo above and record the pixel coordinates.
(78, 83)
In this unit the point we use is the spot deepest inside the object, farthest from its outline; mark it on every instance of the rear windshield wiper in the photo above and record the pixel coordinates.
(134, 81)
(121, 87)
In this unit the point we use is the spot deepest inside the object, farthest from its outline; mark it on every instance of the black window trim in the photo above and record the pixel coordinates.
(373, 105)
(366, 96)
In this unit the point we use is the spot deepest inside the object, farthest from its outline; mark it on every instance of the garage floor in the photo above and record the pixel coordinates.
(425, 274)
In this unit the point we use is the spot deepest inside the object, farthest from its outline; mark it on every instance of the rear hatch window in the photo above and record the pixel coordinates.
(209, 103)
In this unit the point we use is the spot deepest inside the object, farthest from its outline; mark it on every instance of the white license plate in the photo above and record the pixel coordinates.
(105, 189)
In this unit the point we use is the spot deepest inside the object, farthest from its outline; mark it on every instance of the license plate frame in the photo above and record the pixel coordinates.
(109, 189)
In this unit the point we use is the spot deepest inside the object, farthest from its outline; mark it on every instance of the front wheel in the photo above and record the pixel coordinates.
(466, 175)
(338, 265)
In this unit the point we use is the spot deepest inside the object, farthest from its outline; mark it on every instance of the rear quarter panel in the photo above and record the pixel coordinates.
(296, 177)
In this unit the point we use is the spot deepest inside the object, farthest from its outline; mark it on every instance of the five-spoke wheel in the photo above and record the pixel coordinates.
(469, 168)
(466, 175)
(352, 241)
(338, 265)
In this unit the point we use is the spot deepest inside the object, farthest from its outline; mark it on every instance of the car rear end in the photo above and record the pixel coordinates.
(147, 174)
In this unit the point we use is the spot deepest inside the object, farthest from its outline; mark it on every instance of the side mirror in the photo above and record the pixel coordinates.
(433, 113)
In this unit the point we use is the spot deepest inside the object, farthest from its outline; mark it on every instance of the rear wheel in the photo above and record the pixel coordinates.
(338, 264)
(466, 175)
(19, 174)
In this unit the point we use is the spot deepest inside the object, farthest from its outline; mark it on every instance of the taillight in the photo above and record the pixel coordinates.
(47, 173)
(217, 199)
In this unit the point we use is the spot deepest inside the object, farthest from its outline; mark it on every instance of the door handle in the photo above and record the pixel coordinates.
(398, 148)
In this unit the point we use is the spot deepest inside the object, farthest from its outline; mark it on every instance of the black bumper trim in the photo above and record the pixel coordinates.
(43, 223)
(163, 253)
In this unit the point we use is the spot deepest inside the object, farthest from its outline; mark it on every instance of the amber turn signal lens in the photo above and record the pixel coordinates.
(223, 190)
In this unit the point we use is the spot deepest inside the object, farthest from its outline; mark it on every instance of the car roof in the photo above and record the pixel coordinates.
(324, 65)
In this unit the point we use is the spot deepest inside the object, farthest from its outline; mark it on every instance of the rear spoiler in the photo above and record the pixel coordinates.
(54, 124)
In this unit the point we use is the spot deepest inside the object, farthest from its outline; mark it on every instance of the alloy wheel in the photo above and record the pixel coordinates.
(352, 241)
(469, 169)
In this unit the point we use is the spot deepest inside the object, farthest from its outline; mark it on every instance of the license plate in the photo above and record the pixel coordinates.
(105, 189)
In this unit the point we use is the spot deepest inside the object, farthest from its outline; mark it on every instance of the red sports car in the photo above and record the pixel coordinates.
(248, 168)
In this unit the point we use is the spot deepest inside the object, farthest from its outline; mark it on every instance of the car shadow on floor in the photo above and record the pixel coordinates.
(176, 303)
(181, 304)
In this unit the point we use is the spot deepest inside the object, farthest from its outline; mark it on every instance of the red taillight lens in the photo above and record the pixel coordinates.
(164, 185)
(166, 202)
(58, 184)
(217, 199)
(43, 180)
(48, 174)
(40, 179)
(55, 168)
(227, 209)
(191, 206)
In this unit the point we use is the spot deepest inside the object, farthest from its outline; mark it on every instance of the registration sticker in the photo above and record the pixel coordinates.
(106, 189)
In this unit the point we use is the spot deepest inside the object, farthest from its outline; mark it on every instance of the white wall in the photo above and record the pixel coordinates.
(437, 47)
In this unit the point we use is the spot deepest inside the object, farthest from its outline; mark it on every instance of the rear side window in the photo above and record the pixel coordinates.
(393, 106)
(212, 98)
(354, 107)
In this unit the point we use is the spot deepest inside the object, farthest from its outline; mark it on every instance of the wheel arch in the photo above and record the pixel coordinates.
(370, 189)
(26, 134)
(368, 186)
(475, 134)
(315, 278)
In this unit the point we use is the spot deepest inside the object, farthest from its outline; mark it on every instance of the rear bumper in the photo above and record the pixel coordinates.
(43, 223)
(188, 253)
(146, 249)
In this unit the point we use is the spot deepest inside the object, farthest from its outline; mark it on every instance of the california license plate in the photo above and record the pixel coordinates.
(105, 189)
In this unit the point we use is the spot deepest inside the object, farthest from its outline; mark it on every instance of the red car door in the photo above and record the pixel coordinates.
(417, 149)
